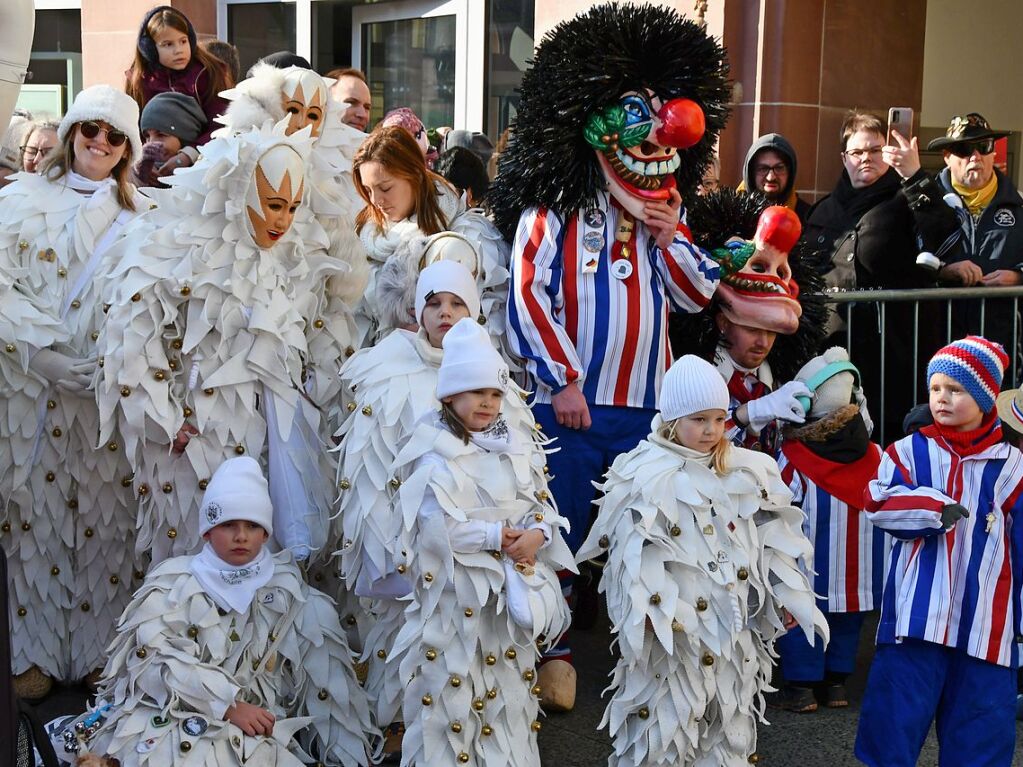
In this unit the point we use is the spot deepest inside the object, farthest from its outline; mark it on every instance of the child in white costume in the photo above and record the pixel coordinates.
(227, 657)
(704, 554)
(390, 387)
(303, 98)
(485, 543)
(67, 520)
(220, 340)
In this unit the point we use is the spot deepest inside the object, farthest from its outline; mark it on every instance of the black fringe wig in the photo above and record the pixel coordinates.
(713, 220)
(585, 64)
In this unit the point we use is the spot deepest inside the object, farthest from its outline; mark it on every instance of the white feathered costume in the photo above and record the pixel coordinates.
(330, 196)
(68, 520)
(387, 390)
(699, 567)
(240, 343)
(180, 661)
(477, 623)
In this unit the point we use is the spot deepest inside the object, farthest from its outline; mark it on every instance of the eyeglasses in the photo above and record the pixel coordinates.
(89, 129)
(859, 155)
(31, 152)
(965, 148)
(781, 169)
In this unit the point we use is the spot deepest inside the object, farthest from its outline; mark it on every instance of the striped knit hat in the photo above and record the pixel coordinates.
(976, 364)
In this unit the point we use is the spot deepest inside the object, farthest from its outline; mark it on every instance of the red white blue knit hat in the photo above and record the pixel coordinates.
(976, 364)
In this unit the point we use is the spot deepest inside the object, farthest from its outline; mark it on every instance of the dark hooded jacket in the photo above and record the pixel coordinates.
(778, 143)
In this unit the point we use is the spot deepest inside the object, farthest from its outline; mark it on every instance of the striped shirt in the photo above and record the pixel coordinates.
(572, 320)
(849, 553)
(960, 587)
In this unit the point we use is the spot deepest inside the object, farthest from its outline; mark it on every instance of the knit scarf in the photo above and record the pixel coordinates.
(964, 443)
(976, 200)
(857, 201)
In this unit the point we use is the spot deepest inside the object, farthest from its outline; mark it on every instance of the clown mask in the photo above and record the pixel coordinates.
(637, 141)
(757, 289)
(304, 99)
(274, 195)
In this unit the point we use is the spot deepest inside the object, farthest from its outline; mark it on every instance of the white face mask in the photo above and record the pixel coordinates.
(274, 195)
(304, 99)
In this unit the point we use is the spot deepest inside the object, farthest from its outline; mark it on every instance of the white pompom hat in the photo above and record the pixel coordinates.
(237, 490)
(447, 277)
(692, 384)
(470, 361)
(101, 102)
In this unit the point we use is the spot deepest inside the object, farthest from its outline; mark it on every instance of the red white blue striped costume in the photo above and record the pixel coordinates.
(959, 588)
(755, 383)
(849, 553)
(573, 321)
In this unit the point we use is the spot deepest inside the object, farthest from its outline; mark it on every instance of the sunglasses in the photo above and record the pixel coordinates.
(966, 148)
(89, 129)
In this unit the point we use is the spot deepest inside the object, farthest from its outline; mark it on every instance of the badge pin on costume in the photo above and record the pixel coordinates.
(195, 726)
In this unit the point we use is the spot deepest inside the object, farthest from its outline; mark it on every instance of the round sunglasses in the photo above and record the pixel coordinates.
(90, 130)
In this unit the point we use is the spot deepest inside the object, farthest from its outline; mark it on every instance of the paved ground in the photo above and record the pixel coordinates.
(821, 739)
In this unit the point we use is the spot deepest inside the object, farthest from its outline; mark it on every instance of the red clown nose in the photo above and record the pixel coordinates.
(682, 124)
(779, 227)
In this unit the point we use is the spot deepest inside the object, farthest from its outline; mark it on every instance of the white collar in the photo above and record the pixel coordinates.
(429, 353)
(231, 587)
(725, 365)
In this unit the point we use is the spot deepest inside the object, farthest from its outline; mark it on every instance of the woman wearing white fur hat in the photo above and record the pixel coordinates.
(484, 543)
(228, 657)
(219, 341)
(388, 389)
(302, 97)
(704, 570)
(68, 522)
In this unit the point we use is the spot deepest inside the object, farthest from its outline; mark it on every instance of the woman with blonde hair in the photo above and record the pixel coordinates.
(69, 519)
(404, 200)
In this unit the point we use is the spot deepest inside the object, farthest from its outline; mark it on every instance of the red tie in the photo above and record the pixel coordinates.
(743, 393)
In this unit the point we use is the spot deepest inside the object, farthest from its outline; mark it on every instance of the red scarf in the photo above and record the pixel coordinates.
(737, 388)
(845, 481)
(964, 443)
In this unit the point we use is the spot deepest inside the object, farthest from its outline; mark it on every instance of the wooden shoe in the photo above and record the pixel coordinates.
(33, 684)
(557, 680)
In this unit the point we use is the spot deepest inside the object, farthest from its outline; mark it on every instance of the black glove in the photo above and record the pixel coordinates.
(952, 513)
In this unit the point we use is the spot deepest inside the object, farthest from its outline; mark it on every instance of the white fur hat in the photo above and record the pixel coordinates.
(447, 277)
(237, 490)
(692, 384)
(470, 361)
(101, 102)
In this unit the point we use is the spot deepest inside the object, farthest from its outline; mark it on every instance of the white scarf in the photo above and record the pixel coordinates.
(231, 587)
(496, 438)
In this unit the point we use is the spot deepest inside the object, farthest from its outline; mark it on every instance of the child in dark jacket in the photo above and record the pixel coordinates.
(168, 59)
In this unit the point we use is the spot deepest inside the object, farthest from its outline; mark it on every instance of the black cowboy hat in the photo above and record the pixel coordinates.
(973, 127)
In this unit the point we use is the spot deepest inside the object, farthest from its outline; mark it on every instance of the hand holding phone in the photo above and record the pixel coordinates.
(901, 151)
(900, 120)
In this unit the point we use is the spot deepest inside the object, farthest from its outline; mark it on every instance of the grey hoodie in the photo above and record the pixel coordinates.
(779, 144)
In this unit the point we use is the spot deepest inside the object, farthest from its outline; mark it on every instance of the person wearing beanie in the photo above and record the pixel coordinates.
(951, 497)
(484, 543)
(706, 563)
(228, 653)
(386, 390)
(57, 229)
(826, 463)
(170, 123)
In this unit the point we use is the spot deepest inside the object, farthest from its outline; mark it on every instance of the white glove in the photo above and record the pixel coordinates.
(780, 405)
(72, 374)
(861, 400)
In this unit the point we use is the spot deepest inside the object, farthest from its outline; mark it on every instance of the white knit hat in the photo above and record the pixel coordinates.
(470, 361)
(692, 384)
(829, 378)
(238, 490)
(447, 277)
(101, 102)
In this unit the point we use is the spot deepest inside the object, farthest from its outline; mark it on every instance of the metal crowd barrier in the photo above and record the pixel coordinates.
(867, 305)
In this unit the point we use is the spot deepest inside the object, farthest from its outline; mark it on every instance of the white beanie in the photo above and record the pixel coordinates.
(447, 277)
(101, 102)
(692, 384)
(470, 361)
(238, 490)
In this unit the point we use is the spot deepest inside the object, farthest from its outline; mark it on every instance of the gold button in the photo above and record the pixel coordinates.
(72, 503)
(112, 447)
(367, 410)
(239, 449)
(487, 730)
(675, 530)
(208, 392)
(536, 690)
(655, 599)
(172, 364)
(401, 569)
(478, 704)
(431, 655)
(10, 348)
(54, 570)
(676, 626)
(455, 681)
(349, 351)
(318, 324)
(88, 532)
(743, 573)
(26, 526)
(76, 304)
(701, 604)
(51, 404)
(106, 308)
(187, 411)
(541, 495)
(322, 695)
(490, 659)
(604, 542)
(177, 343)
(428, 577)
(23, 245)
(644, 713)
(468, 612)
(538, 517)
(143, 489)
(185, 290)
(350, 407)
(510, 653)
(57, 432)
(395, 483)
(754, 759)
(22, 612)
(125, 391)
(463, 758)
(62, 272)
(5, 527)
(529, 675)
(159, 375)
(535, 726)
(193, 631)
(115, 579)
(138, 575)
(86, 607)
(186, 746)
(167, 487)
(141, 652)
(203, 484)
(172, 533)
(50, 476)
(382, 654)
(427, 699)
(707, 659)
(344, 484)
(236, 741)
(136, 298)
(456, 727)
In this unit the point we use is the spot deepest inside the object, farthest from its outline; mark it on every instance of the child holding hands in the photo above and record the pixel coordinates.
(951, 496)
(485, 542)
(704, 554)
(228, 657)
